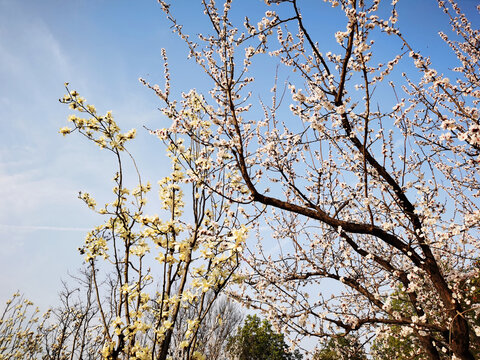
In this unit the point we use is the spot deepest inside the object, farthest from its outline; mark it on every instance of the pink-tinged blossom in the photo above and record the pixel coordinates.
(366, 173)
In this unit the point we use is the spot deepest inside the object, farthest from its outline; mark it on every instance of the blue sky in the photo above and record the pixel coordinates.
(101, 47)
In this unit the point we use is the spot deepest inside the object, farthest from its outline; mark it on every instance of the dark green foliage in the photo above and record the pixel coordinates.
(256, 340)
(396, 345)
(341, 348)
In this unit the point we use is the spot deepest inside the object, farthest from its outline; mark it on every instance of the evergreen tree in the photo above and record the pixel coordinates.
(256, 340)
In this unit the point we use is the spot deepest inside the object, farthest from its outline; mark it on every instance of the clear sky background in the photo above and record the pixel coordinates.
(101, 47)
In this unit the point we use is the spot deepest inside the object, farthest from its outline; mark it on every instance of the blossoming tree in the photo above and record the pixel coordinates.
(368, 179)
(158, 264)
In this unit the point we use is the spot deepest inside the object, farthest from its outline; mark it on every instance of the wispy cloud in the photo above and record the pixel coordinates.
(41, 220)
(40, 227)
